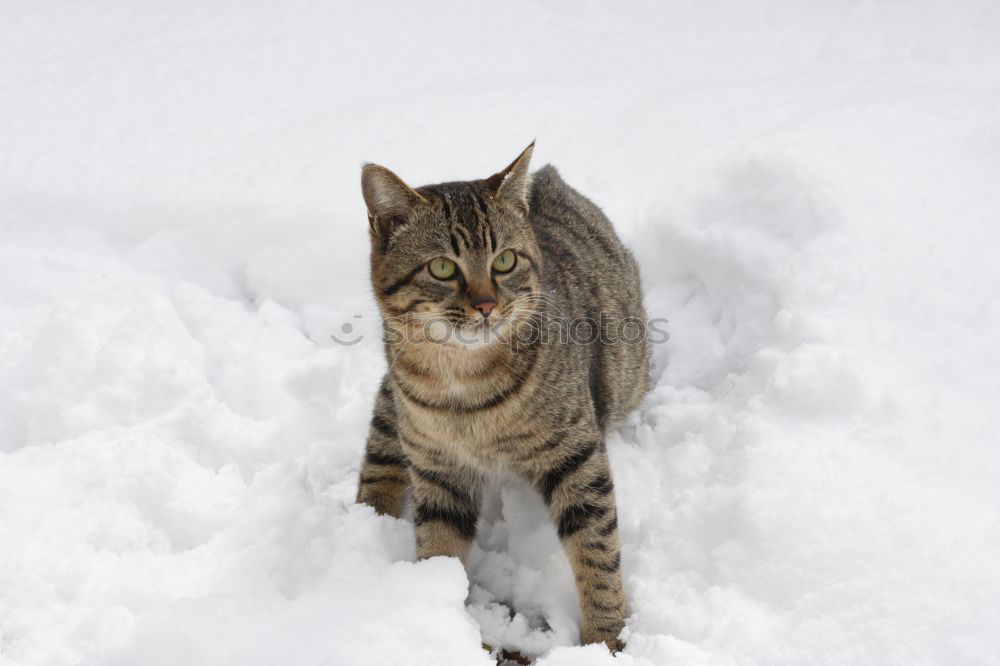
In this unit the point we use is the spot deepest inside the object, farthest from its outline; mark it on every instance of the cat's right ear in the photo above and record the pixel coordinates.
(390, 201)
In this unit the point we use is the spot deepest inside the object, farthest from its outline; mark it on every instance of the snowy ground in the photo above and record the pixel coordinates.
(812, 194)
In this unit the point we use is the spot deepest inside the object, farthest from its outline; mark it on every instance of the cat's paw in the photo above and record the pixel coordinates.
(385, 497)
(603, 633)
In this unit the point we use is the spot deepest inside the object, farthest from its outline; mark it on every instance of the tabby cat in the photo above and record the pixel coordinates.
(460, 271)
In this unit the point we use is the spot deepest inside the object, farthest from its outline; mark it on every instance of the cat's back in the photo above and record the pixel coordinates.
(568, 223)
(580, 247)
(592, 275)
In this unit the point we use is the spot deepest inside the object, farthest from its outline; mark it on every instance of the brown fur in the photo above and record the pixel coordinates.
(448, 415)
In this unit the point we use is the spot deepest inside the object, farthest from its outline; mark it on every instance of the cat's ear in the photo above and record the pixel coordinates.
(511, 184)
(390, 201)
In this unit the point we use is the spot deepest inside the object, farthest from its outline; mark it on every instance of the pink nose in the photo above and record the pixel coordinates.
(485, 306)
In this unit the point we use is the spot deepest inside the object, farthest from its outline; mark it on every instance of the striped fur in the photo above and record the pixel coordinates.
(449, 415)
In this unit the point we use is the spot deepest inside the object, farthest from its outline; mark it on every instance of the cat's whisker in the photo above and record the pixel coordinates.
(543, 298)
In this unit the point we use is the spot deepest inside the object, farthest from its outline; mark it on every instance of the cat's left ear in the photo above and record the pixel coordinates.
(511, 184)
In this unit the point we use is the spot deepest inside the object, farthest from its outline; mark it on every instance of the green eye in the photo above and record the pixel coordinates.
(505, 261)
(441, 268)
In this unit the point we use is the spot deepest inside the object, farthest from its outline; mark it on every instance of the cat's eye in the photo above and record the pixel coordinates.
(505, 261)
(442, 268)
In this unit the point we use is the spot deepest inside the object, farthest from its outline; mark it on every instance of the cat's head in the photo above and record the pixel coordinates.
(454, 263)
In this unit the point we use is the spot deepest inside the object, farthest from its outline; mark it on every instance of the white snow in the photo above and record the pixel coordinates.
(810, 188)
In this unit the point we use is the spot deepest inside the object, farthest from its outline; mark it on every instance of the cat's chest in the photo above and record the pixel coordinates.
(465, 409)
(467, 436)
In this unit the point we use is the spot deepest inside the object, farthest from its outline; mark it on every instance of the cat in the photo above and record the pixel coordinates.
(461, 271)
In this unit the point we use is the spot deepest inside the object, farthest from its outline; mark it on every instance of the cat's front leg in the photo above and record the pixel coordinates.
(446, 503)
(383, 480)
(580, 494)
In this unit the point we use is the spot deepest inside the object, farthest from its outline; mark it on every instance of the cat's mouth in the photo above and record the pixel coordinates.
(471, 333)
(483, 330)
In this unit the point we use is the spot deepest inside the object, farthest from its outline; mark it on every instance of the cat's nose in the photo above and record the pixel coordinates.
(485, 305)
